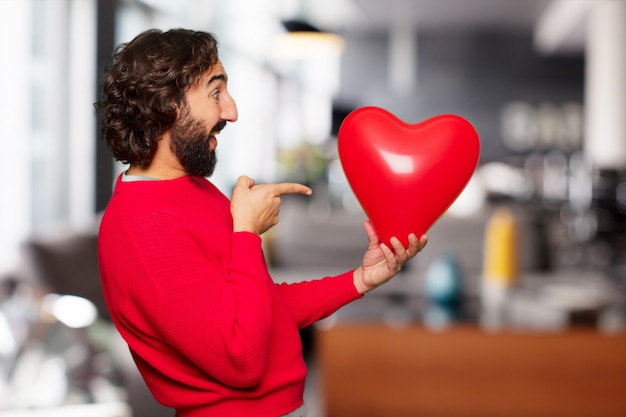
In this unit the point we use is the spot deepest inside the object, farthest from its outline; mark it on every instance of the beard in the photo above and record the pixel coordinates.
(190, 142)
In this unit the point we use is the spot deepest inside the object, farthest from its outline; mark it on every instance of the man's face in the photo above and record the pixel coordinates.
(191, 143)
(207, 109)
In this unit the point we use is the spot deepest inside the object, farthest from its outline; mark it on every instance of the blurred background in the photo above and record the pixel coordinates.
(515, 308)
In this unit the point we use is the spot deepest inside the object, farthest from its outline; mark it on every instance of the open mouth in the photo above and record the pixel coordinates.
(218, 127)
(216, 131)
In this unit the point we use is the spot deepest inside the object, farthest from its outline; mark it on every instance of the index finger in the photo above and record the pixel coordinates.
(292, 188)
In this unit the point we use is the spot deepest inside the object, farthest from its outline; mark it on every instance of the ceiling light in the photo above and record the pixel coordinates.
(302, 40)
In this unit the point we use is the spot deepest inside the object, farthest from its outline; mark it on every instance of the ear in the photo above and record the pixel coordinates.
(180, 105)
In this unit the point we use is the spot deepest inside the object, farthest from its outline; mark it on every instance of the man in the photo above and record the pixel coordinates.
(182, 268)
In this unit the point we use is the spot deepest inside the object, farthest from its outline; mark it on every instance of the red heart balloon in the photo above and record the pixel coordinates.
(405, 176)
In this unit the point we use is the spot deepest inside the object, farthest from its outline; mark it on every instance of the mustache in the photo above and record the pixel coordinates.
(219, 126)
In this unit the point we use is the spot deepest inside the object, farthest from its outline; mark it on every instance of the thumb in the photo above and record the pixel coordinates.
(244, 182)
(371, 233)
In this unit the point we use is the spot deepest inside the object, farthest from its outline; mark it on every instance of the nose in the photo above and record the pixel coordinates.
(229, 110)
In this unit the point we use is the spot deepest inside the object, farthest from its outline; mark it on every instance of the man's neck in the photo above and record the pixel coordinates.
(158, 170)
(164, 164)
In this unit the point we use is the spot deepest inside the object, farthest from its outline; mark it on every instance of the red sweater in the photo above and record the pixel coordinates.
(209, 330)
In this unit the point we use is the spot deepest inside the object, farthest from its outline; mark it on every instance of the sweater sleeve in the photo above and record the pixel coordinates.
(214, 312)
(310, 301)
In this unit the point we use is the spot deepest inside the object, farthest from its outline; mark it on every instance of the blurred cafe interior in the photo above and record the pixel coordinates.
(517, 306)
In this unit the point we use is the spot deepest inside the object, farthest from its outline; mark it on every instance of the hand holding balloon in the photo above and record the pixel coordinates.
(380, 263)
(406, 176)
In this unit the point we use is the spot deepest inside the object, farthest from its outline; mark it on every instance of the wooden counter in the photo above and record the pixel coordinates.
(369, 370)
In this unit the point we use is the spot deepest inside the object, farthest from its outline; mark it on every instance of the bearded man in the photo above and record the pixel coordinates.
(182, 266)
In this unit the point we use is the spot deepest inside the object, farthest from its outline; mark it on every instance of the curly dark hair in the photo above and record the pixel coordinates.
(146, 84)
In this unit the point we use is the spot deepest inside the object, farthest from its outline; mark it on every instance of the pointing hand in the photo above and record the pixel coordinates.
(255, 208)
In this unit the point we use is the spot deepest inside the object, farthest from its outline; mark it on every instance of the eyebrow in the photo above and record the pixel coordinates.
(216, 77)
